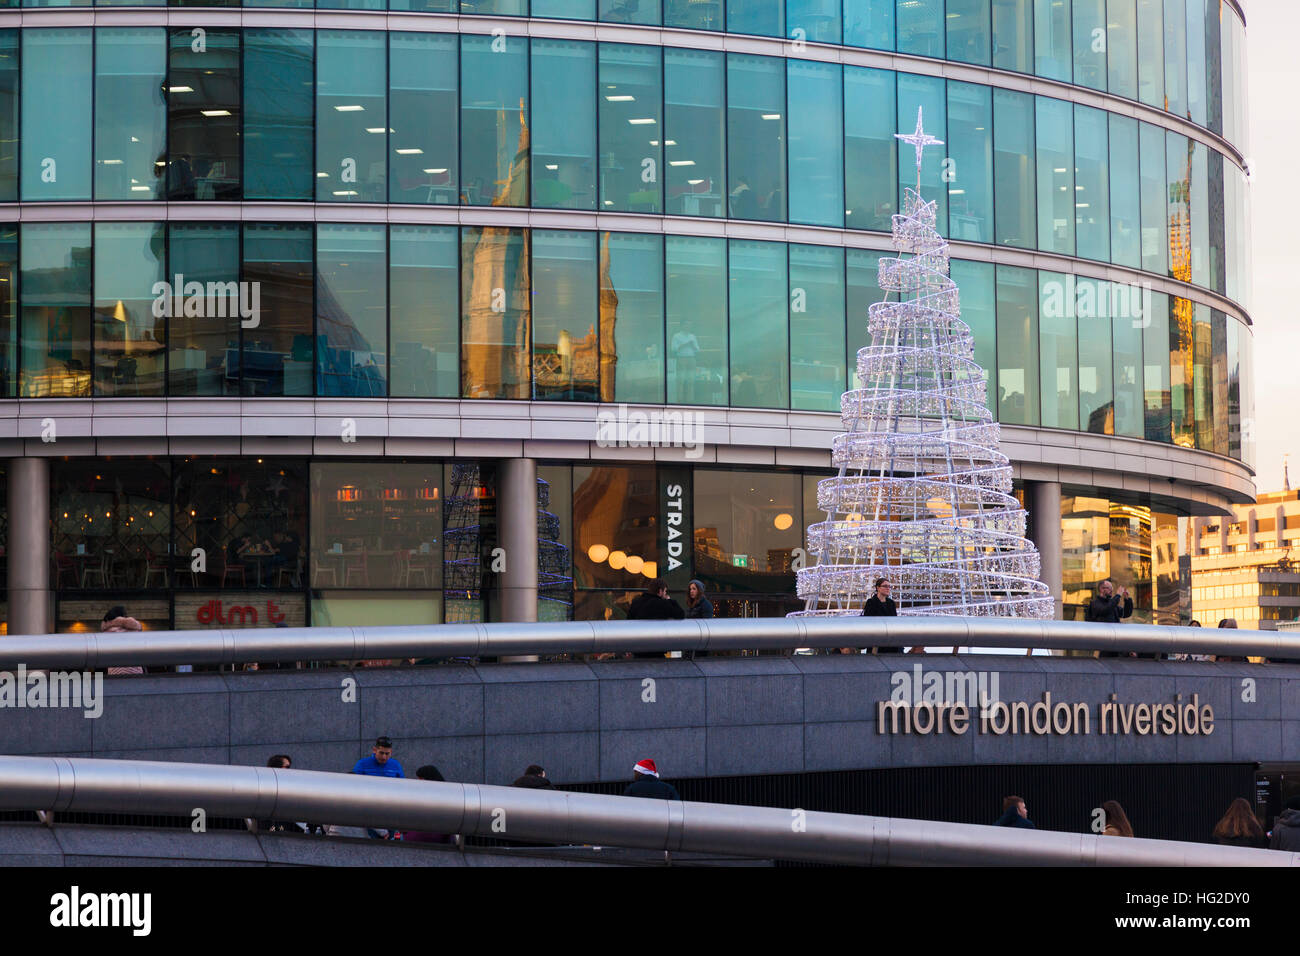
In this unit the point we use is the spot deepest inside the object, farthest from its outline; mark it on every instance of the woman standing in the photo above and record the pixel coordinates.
(1116, 820)
(1240, 828)
(697, 605)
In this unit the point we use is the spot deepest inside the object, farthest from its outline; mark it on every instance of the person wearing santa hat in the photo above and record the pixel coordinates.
(646, 783)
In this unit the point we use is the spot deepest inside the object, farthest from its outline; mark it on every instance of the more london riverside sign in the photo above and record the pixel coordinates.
(936, 703)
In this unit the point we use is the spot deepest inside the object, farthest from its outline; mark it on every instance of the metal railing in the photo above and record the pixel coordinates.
(91, 651)
(83, 784)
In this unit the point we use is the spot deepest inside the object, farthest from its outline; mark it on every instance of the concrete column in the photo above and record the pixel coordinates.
(517, 524)
(29, 546)
(1043, 502)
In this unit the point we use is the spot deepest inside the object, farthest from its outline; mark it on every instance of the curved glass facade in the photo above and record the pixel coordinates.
(368, 310)
(435, 119)
(1183, 56)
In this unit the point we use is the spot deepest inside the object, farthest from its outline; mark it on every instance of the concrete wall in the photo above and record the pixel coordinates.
(589, 722)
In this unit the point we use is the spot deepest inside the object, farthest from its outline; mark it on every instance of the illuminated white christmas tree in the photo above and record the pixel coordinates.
(923, 495)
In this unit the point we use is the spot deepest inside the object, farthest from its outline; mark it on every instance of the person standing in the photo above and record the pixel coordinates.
(380, 763)
(1286, 829)
(1107, 607)
(880, 604)
(654, 604)
(697, 604)
(646, 783)
(1116, 820)
(534, 778)
(1240, 828)
(116, 621)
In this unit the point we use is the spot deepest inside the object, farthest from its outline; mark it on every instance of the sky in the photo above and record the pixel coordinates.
(1273, 75)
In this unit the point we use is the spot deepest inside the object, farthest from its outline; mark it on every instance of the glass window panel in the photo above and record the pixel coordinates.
(278, 113)
(692, 15)
(493, 117)
(1197, 107)
(566, 344)
(130, 340)
(203, 116)
(1121, 48)
(1198, 408)
(968, 31)
(57, 316)
(9, 80)
(423, 113)
(203, 349)
(615, 508)
(925, 93)
(1058, 350)
(118, 524)
(1217, 279)
(56, 142)
(555, 543)
(816, 148)
(277, 357)
(979, 311)
(1052, 52)
(1179, 190)
(8, 313)
(1200, 202)
(632, 315)
(1013, 169)
(816, 327)
(819, 20)
(631, 127)
(1176, 57)
(1130, 309)
(1155, 201)
(564, 124)
(920, 27)
(869, 23)
(564, 9)
(351, 117)
(759, 324)
(1219, 382)
(376, 525)
(695, 127)
(351, 310)
(422, 287)
(758, 17)
(350, 4)
(1234, 387)
(696, 297)
(611, 11)
(1158, 416)
(1013, 35)
(1125, 196)
(970, 191)
(1151, 52)
(756, 137)
(1091, 183)
(430, 6)
(1017, 343)
(499, 8)
(1096, 395)
(862, 271)
(870, 150)
(742, 542)
(495, 292)
(1090, 43)
(130, 114)
(1055, 139)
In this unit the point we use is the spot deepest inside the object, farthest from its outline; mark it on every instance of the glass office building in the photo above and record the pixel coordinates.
(314, 316)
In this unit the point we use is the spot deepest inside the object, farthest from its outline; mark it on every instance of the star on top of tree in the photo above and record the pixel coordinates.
(920, 139)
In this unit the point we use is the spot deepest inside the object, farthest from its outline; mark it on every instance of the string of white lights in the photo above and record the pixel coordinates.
(923, 495)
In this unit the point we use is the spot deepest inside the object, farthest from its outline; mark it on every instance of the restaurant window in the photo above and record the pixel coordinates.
(376, 526)
(616, 522)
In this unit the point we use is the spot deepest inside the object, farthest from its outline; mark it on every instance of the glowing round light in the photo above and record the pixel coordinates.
(634, 564)
(617, 560)
(783, 521)
(598, 553)
(650, 569)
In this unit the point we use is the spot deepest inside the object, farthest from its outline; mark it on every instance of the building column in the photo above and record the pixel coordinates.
(517, 524)
(29, 545)
(1043, 502)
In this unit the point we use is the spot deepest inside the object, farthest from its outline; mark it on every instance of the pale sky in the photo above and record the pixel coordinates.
(1274, 153)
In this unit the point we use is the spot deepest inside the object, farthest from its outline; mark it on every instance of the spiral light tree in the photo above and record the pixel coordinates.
(923, 495)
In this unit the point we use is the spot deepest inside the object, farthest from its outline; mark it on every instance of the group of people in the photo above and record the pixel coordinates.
(646, 784)
(1238, 827)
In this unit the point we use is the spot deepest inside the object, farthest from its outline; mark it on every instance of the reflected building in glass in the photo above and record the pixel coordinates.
(319, 323)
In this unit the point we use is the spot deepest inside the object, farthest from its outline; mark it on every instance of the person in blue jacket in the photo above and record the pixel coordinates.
(1014, 814)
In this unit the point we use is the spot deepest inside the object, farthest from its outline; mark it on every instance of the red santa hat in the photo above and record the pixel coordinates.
(647, 767)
